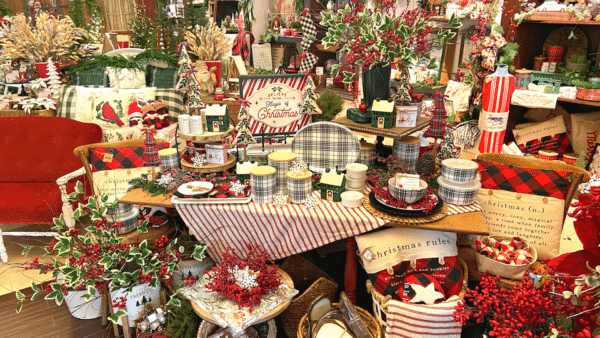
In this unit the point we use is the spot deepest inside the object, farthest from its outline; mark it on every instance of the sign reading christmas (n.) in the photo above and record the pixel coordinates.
(275, 102)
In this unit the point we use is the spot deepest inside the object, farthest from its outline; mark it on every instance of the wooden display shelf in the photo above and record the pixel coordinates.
(154, 233)
(208, 136)
(394, 132)
(140, 197)
(208, 168)
(563, 22)
(575, 101)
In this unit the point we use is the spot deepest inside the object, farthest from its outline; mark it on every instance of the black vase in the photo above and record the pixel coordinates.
(376, 84)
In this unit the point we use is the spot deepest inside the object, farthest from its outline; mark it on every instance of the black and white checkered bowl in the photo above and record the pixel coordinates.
(459, 171)
(458, 194)
(408, 196)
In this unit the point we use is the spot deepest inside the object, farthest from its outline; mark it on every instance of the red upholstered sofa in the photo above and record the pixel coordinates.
(34, 153)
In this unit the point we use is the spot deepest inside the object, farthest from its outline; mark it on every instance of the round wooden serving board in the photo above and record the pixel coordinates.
(285, 279)
(208, 136)
(399, 220)
(208, 168)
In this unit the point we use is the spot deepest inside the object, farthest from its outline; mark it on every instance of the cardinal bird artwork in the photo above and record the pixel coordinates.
(109, 115)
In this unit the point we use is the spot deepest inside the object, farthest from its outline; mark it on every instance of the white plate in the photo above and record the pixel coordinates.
(186, 188)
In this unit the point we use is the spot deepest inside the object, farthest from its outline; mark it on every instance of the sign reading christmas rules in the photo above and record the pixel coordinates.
(275, 102)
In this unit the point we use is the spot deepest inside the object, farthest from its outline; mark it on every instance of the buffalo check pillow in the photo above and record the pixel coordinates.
(390, 256)
(539, 182)
(119, 158)
(173, 99)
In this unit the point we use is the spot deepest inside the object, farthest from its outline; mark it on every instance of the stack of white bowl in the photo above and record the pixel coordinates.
(356, 177)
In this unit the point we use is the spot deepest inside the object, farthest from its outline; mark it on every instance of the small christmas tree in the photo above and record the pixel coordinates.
(194, 96)
(310, 99)
(54, 82)
(403, 89)
(185, 72)
(244, 135)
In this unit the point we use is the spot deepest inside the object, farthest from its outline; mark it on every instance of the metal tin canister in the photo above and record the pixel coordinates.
(523, 78)
(263, 181)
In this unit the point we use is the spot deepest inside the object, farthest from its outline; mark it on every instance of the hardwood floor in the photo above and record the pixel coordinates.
(43, 319)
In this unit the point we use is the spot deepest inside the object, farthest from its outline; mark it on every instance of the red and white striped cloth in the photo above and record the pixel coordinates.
(405, 320)
(497, 90)
(281, 231)
(462, 209)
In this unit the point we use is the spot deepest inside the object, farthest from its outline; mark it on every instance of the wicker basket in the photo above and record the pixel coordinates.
(206, 329)
(17, 112)
(381, 302)
(91, 77)
(300, 270)
(368, 319)
(161, 77)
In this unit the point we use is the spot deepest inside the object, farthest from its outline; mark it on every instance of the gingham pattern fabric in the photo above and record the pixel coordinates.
(449, 275)
(67, 100)
(151, 153)
(408, 153)
(455, 196)
(298, 190)
(524, 180)
(406, 320)
(169, 162)
(326, 145)
(458, 175)
(123, 157)
(559, 143)
(280, 175)
(437, 124)
(309, 32)
(263, 188)
(282, 232)
(173, 99)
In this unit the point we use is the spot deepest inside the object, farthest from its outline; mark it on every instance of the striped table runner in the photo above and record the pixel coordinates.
(405, 320)
(282, 232)
(462, 209)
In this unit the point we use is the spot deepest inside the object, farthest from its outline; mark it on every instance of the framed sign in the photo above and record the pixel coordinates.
(593, 165)
(261, 56)
(275, 102)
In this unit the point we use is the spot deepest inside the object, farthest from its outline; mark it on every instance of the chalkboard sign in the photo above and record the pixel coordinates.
(261, 56)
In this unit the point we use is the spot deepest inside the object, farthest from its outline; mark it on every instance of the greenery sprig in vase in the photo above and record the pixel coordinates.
(96, 260)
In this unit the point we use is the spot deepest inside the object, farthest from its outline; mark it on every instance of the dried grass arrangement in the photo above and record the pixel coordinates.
(50, 37)
(208, 43)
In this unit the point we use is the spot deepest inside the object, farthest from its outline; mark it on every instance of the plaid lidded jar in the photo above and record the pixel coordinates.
(130, 221)
(299, 185)
(168, 158)
(458, 194)
(281, 161)
(263, 181)
(407, 149)
(367, 152)
(117, 209)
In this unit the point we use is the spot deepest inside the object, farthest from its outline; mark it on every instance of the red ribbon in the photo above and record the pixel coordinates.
(243, 103)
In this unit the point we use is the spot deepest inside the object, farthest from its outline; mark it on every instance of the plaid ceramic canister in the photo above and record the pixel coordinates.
(365, 156)
(168, 158)
(281, 161)
(407, 149)
(130, 221)
(263, 181)
(299, 185)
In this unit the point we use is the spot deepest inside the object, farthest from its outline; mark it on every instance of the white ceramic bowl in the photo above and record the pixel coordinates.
(409, 196)
(356, 183)
(458, 194)
(356, 170)
(351, 199)
(458, 170)
(486, 264)
(361, 190)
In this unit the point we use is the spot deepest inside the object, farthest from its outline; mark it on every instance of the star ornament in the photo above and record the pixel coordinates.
(310, 202)
(280, 200)
(428, 295)
(199, 160)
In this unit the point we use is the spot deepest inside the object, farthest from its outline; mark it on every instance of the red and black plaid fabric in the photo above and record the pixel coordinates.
(423, 280)
(151, 152)
(123, 157)
(437, 124)
(559, 143)
(524, 180)
(449, 275)
(240, 45)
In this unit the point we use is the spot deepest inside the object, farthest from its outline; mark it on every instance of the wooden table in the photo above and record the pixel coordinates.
(139, 197)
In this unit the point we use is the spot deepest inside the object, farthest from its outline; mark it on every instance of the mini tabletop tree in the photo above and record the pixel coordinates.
(54, 82)
(150, 153)
(310, 98)
(187, 80)
(244, 135)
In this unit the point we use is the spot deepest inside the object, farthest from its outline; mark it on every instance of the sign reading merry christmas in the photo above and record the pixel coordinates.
(275, 102)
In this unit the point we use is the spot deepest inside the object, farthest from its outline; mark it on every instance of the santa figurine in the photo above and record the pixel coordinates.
(23, 73)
